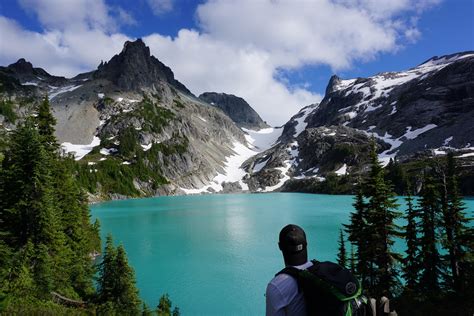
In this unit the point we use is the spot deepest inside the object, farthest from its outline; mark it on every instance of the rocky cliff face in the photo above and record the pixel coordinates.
(429, 106)
(236, 108)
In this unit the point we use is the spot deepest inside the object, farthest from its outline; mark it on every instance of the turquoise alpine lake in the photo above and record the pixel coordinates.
(214, 254)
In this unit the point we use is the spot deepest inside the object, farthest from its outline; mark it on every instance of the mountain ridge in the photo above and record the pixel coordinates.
(132, 114)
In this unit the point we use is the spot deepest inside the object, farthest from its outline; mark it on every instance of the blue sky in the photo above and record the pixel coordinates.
(278, 55)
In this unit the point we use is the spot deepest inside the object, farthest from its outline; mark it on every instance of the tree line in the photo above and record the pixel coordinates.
(48, 243)
(436, 273)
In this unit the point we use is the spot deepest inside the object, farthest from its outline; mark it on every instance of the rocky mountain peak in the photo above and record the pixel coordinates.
(136, 50)
(21, 66)
(332, 84)
(23, 70)
(135, 68)
(236, 108)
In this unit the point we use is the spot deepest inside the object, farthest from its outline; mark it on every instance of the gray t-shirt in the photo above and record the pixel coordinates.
(283, 297)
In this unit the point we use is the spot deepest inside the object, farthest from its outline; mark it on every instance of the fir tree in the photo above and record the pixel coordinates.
(429, 209)
(341, 255)
(125, 291)
(46, 122)
(165, 305)
(107, 272)
(357, 235)
(410, 263)
(27, 193)
(456, 226)
(381, 230)
(117, 288)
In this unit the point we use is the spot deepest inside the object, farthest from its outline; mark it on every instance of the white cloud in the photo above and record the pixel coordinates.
(74, 14)
(298, 32)
(204, 64)
(239, 48)
(64, 53)
(160, 7)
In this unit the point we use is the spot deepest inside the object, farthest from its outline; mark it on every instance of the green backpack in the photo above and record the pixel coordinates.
(330, 289)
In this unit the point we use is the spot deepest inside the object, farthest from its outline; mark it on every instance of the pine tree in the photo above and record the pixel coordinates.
(165, 305)
(107, 272)
(46, 123)
(381, 230)
(357, 235)
(27, 193)
(341, 255)
(117, 288)
(125, 291)
(456, 225)
(410, 263)
(429, 209)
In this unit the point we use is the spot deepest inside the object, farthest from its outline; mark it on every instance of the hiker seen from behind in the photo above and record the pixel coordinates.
(311, 287)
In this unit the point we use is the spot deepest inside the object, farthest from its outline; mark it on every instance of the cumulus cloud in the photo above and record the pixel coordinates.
(76, 14)
(205, 64)
(239, 46)
(64, 52)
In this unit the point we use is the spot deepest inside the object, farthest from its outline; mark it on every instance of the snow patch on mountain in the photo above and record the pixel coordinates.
(301, 120)
(232, 171)
(262, 139)
(390, 153)
(79, 150)
(342, 171)
(55, 91)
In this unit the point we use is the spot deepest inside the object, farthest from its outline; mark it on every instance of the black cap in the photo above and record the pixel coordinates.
(292, 243)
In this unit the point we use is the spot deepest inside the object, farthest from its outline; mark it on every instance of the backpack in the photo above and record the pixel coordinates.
(330, 289)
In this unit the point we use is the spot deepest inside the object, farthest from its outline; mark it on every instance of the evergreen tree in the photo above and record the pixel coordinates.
(107, 272)
(165, 305)
(341, 255)
(396, 175)
(410, 263)
(117, 288)
(357, 235)
(429, 209)
(27, 194)
(379, 231)
(352, 260)
(46, 123)
(125, 291)
(456, 229)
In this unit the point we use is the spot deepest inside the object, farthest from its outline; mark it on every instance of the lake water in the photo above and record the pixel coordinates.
(214, 254)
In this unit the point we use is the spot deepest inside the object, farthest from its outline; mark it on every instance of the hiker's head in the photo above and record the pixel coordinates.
(292, 243)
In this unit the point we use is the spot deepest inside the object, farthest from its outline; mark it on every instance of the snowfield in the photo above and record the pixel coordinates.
(263, 139)
(80, 151)
(232, 170)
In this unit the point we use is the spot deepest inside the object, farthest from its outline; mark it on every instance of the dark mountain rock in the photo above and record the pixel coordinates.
(429, 106)
(24, 72)
(236, 108)
(134, 68)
